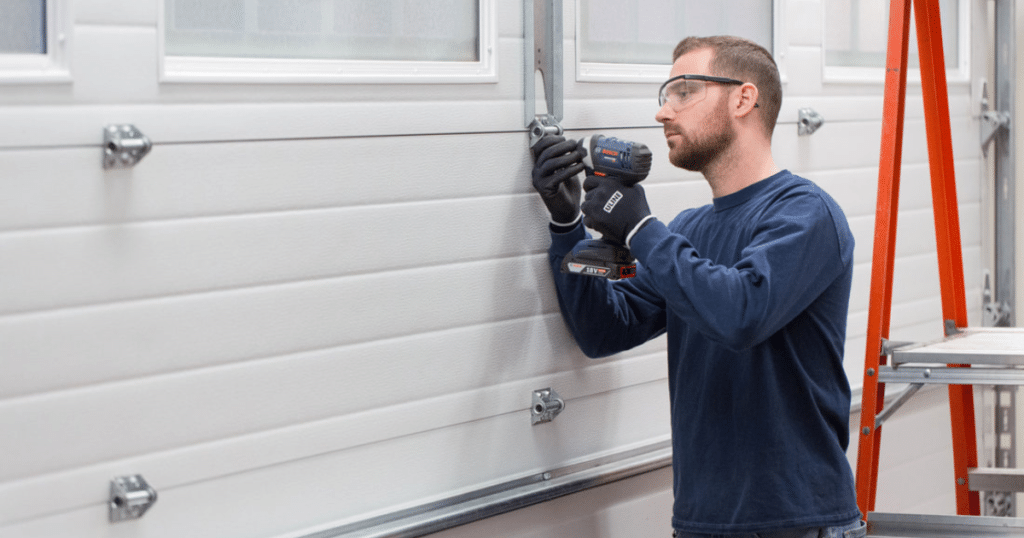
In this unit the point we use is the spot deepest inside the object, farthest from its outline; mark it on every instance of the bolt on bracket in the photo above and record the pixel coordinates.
(544, 124)
(547, 404)
(994, 314)
(992, 121)
(130, 497)
(123, 146)
(808, 121)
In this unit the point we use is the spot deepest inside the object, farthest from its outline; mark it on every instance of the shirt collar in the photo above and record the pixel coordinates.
(739, 197)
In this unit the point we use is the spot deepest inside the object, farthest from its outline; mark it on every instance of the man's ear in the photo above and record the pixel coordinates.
(747, 102)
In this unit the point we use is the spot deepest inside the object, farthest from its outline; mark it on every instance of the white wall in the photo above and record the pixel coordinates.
(312, 303)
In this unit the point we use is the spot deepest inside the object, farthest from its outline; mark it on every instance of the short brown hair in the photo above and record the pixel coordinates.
(739, 58)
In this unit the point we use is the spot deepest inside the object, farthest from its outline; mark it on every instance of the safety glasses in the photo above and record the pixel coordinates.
(684, 90)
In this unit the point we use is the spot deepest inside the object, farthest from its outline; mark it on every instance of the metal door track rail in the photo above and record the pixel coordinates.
(527, 491)
(883, 525)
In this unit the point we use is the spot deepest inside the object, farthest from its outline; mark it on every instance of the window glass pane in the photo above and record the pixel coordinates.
(23, 27)
(395, 30)
(857, 33)
(647, 31)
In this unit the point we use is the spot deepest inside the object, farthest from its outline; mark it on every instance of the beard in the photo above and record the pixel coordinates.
(716, 136)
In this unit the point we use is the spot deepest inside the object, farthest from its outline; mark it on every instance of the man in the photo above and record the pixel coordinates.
(752, 291)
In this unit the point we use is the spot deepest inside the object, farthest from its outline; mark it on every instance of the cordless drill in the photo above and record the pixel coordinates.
(629, 163)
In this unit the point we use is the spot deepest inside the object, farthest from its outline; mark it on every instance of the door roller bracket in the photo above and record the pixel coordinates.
(123, 146)
(547, 404)
(130, 497)
(542, 125)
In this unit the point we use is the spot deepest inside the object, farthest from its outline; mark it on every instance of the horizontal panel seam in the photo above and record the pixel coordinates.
(254, 437)
(263, 286)
(253, 360)
(257, 214)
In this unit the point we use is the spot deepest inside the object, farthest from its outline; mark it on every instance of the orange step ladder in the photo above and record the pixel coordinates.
(1000, 350)
(947, 231)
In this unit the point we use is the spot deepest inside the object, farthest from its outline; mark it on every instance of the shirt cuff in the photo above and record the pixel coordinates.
(567, 225)
(563, 241)
(637, 228)
(646, 237)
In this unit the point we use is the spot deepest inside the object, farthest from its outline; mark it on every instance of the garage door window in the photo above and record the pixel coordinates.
(857, 34)
(621, 40)
(23, 27)
(33, 38)
(344, 39)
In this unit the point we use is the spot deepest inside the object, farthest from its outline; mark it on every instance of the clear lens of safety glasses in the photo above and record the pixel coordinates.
(682, 93)
(684, 90)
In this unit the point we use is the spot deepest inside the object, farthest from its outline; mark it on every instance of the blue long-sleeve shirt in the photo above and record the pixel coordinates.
(753, 293)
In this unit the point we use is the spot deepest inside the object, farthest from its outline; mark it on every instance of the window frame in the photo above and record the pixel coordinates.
(860, 75)
(51, 67)
(647, 73)
(195, 69)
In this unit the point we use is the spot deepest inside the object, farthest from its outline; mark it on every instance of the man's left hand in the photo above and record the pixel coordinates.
(613, 209)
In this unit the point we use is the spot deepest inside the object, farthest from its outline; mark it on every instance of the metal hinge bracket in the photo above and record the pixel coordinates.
(992, 121)
(130, 497)
(808, 121)
(547, 404)
(123, 146)
(994, 313)
(542, 125)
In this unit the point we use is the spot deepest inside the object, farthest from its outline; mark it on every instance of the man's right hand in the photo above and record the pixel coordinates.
(557, 161)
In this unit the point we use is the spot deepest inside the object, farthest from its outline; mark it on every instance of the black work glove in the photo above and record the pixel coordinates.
(614, 210)
(556, 163)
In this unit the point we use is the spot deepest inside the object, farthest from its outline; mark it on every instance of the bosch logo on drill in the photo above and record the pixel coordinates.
(608, 207)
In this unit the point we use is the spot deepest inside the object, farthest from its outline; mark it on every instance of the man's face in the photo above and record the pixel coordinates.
(697, 129)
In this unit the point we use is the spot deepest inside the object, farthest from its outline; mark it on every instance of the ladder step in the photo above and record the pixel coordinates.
(883, 525)
(1003, 346)
(995, 479)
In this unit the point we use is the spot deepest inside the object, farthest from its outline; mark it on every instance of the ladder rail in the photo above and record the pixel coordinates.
(947, 235)
(883, 258)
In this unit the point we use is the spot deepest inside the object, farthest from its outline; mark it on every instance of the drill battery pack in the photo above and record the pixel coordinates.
(594, 257)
